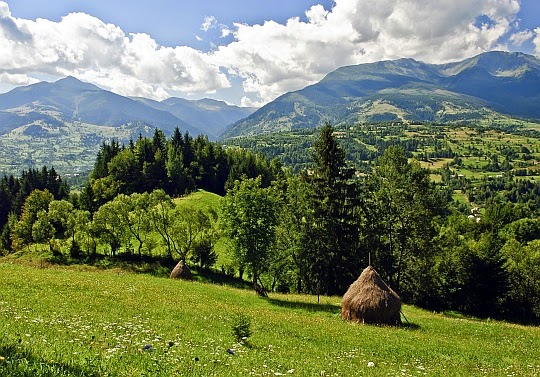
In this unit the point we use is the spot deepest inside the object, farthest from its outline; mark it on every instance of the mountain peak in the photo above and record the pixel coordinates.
(497, 63)
(74, 83)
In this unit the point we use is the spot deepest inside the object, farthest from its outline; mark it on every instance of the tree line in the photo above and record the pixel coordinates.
(311, 232)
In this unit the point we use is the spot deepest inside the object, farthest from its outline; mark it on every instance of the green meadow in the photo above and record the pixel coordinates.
(59, 321)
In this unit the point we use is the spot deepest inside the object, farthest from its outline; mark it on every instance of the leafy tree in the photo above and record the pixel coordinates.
(250, 218)
(203, 251)
(37, 201)
(109, 225)
(84, 232)
(286, 267)
(98, 192)
(188, 225)
(523, 267)
(162, 217)
(403, 208)
(59, 213)
(42, 229)
(204, 254)
(138, 221)
(77, 221)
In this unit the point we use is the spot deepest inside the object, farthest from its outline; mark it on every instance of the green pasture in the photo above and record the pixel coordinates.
(66, 322)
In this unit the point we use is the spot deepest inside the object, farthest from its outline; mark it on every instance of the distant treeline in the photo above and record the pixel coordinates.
(178, 166)
(15, 190)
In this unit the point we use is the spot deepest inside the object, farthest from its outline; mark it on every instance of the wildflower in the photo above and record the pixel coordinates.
(371, 364)
(2, 358)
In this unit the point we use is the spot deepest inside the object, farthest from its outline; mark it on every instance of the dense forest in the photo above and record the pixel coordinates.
(309, 230)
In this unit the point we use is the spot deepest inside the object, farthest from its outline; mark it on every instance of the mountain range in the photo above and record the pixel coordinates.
(71, 100)
(63, 123)
(490, 85)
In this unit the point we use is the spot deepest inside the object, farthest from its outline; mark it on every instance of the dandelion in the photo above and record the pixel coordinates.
(2, 358)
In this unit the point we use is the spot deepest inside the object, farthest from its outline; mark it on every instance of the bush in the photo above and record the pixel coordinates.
(241, 328)
(204, 254)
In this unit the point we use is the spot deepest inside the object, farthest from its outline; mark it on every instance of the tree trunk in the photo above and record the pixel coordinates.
(259, 288)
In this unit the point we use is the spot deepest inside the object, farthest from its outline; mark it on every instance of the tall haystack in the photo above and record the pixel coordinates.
(370, 300)
(181, 271)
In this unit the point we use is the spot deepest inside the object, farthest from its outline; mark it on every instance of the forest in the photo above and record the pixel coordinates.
(289, 229)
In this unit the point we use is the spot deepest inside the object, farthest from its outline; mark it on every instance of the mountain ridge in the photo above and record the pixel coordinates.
(475, 88)
(63, 123)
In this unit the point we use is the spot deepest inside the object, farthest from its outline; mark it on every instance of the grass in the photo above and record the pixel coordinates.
(200, 199)
(65, 322)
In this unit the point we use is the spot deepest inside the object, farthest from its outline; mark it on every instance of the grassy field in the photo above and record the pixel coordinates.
(67, 322)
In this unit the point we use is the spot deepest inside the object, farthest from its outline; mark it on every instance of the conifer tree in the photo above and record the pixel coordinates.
(329, 258)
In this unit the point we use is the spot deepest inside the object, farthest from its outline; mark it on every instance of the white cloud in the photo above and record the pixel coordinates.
(271, 58)
(210, 22)
(247, 102)
(4, 10)
(536, 41)
(225, 31)
(16, 79)
(521, 37)
(87, 48)
(274, 58)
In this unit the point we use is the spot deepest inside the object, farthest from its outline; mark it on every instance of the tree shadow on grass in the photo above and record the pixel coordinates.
(305, 306)
(213, 277)
(21, 362)
(410, 326)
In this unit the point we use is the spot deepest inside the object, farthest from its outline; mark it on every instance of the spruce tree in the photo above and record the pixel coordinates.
(329, 258)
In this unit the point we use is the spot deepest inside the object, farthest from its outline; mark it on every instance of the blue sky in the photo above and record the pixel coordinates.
(246, 52)
(169, 22)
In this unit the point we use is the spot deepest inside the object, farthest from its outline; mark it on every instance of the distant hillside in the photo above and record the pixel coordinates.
(70, 100)
(493, 84)
(209, 115)
(62, 124)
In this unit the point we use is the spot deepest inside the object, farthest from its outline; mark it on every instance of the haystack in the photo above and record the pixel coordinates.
(370, 300)
(181, 271)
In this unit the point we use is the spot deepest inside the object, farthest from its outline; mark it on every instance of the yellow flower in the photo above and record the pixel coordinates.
(2, 358)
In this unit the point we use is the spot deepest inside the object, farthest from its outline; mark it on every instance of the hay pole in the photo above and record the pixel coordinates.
(404, 316)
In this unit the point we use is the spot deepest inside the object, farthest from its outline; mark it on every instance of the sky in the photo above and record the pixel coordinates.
(244, 52)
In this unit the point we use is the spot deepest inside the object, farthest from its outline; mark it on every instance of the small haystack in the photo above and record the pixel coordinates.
(370, 300)
(181, 271)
